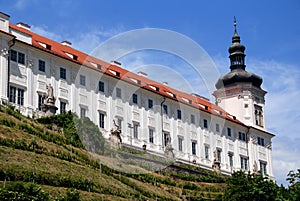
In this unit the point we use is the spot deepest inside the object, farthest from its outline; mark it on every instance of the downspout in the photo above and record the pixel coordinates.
(13, 41)
(162, 122)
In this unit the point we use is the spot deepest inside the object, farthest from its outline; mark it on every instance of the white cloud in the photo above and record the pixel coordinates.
(42, 30)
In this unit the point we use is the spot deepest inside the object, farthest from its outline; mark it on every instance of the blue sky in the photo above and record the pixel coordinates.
(269, 29)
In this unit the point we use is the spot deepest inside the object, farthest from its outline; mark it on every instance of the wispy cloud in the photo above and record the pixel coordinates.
(43, 31)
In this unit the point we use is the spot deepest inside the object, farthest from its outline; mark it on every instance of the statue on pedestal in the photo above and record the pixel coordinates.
(115, 136)
(48, 106)
(216, 164)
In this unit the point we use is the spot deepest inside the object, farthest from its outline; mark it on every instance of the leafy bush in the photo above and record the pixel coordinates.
(28, 192)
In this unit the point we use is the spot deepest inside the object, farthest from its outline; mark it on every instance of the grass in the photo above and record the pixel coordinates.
(30, 152)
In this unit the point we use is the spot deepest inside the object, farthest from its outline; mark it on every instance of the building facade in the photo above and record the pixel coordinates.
(230, 134)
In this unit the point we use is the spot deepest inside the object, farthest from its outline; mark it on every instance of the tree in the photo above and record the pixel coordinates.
(294, 187)
(247, 186)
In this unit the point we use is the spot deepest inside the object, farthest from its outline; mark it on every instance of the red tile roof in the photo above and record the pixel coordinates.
(81, 58)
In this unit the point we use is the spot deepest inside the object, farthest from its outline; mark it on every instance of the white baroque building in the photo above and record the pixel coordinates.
(231, 132)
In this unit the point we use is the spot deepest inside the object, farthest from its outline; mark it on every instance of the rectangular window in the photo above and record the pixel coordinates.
(229, 132)
(205, 123)
(120, 123)
(63, 73)
(178, 114)
(101, 86)
(261, 141)
(13, 55)
(194, 148)
(62, 107)
(192, 119)
(82, 80)
(12, 94)
(101, 120)
(263, 167)
(219, 151)
(21, 58)
(258, 115)
(242, 136)
(135, 131)
(165, 109)
(180, 139)
(20, 97)
(40, 101)
(206, 150)
(151, 138)
(135, 98)
(217, 128)
(230, 156)
(42, 66)
(150, 103)
(119, 93)
(244, 163)
(82, 112)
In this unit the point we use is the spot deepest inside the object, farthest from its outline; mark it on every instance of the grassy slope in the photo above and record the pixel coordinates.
(30, 152)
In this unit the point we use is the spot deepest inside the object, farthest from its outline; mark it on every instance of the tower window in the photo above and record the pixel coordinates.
(261, 141)
(258, 115)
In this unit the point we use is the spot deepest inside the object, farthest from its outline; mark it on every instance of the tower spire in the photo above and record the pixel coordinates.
(236, 51)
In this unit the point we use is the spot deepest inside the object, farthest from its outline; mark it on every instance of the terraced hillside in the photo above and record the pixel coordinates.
(31, 152)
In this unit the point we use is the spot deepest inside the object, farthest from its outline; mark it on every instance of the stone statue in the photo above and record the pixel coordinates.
(216, 164)
(255, 168)
(48, 106)
(50, 97)
(216, 155)
(115, 136)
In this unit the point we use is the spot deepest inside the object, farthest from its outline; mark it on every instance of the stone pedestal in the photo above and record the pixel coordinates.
(49, 109)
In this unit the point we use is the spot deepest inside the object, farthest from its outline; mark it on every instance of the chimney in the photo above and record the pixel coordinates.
(23, 25)
(141, 73)
(66, 43)
(165, 83)
(4, 22)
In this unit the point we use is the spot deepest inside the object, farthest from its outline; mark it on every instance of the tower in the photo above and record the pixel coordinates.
(239, 92)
